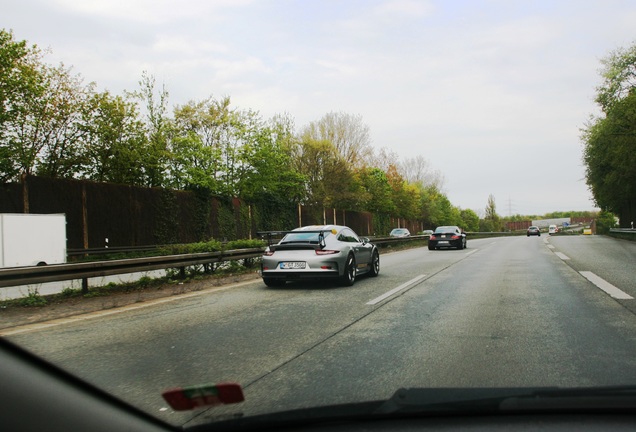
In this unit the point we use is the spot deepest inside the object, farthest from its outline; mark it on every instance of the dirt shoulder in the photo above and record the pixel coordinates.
(61, 307)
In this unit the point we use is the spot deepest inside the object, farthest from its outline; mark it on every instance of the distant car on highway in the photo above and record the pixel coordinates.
(317, 252)
(552, 229)
(399, 232)
(533, 230)
(427, 232)
(447, 237)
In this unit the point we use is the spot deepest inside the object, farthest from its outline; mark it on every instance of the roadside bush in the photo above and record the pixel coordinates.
(176, 249)
(244, 244)
(605, 222)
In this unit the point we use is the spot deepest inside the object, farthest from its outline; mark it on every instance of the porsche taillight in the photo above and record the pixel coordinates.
(326, 252)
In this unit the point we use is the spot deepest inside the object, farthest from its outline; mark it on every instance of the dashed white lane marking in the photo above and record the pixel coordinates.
(396, 290)
(562, 256)
(606, 286)
(551, 247)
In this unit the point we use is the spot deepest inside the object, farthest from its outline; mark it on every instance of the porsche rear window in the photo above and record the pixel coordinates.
(302, 237)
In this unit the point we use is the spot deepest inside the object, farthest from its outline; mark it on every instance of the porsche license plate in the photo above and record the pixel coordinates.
(293, 265)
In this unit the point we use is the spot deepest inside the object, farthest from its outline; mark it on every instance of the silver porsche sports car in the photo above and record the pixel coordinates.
(318, 251)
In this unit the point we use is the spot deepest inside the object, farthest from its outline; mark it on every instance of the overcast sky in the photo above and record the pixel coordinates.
(492, 93)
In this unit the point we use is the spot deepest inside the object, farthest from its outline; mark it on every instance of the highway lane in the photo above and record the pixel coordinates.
(511, 314)
(504, 312)
(609, 258)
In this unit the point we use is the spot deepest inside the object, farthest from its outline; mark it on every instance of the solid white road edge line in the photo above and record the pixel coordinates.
(606, 286)
(397, 289)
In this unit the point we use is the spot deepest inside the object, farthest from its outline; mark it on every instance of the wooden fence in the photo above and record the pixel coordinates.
(105, 214)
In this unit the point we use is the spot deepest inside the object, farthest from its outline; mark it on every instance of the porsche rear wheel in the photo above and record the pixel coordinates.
(375, 264)
(349, 275)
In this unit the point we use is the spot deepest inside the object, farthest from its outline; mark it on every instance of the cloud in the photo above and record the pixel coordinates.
(403, 8)
(149, 11)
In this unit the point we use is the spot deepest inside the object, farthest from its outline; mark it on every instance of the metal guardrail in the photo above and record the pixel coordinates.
(623, 233)
(110, 250)
(16, 276)
(390, 240)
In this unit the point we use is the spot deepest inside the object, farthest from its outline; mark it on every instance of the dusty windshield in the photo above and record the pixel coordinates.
(162, 146)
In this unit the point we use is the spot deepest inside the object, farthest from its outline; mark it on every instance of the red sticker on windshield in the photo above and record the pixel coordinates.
(188, 398)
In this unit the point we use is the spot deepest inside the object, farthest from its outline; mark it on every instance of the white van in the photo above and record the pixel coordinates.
(28, 239)
(552, 229)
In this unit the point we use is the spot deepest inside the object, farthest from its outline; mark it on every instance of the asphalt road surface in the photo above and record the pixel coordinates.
(517, 311)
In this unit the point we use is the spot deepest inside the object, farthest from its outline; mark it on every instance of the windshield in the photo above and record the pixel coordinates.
(155, 160)
(445, 229)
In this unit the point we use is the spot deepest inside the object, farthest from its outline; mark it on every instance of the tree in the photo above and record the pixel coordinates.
(379, 193)
(115, 141)
(610, 159)
(44, 134)
(429, 196)
(60, 130)
(21, 90)
(157, 125)
(199, 138)
(406, 197)
(619, 77)
(417, 170)
(492, 221)
(384, 158)
(605, 222)
(610, 140)
(470, 220)
(329, 182)
(219, 148)
(347, 133)
(491, 208)
(269, 175)
(443, 212)
(243, 132)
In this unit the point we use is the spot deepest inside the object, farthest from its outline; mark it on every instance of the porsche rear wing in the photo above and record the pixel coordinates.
(272, 234)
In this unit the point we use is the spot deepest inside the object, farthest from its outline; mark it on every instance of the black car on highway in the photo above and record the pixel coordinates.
(447, 237)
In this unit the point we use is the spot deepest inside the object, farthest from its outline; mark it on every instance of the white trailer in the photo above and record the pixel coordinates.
(32, 239)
